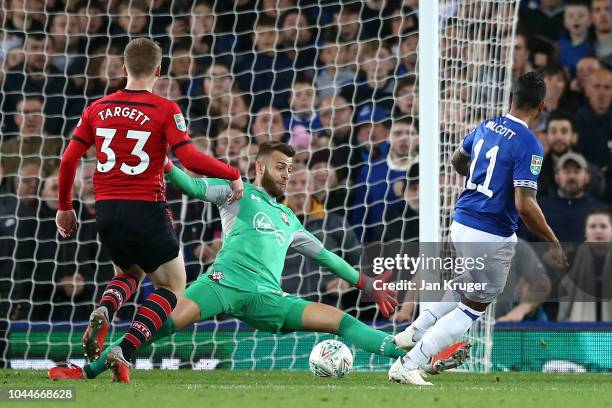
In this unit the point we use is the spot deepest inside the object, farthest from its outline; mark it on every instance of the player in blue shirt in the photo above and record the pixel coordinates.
(501, 160)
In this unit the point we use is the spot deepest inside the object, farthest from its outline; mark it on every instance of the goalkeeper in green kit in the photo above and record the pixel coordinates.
(244, 280)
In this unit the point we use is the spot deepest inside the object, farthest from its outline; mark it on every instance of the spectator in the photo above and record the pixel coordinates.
(543, 18)
(183, 68)
(264, 73)
(94, 259)
(57, 276)
(520, 56)
(586, 290)
(64, 40)
(33, 142)
(26, 186)
(527, 287)
(373, 192)
(301, 276)
(561, 139)
(297, 38)
(216, 87)
(228, 145)
(303, 104)
(335, 72)
(346, 18)
(401, 223)
(132, 21)
(93, 25)
(268, 126)
(558, 97)
(35, 77)
(336, 114)
(104, 76)
(8, 221)
(26, 17)
(378, 83)
(13, 58)
(203, 36)
(9, 41)
(273, 8)
(246, 161)
(544, 52)
(585, 67)
(238, 116)
(566, 209)
(177, 35)
(594, 119)
(160, 18)
(408, 54)
(169, 88)
(372, 132)
(403, 20)
(600, 14)
(574, 44)
(324, 184)
(233, 114)
(406, 97)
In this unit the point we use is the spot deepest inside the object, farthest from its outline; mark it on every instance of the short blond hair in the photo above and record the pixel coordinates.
(141, 57)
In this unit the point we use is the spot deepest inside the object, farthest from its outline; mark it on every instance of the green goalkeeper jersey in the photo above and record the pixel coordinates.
(257, 232)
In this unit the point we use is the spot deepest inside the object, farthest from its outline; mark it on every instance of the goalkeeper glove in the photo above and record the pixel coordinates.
(385, 298)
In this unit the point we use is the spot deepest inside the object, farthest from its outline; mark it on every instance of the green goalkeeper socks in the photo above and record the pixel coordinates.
(366, 338)
(96, 368)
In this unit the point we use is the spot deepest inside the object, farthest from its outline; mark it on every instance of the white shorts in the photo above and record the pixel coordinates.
(495, 254)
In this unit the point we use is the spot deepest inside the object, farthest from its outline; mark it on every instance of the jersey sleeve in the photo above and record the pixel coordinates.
(174, 127)
(528, 164)
(465, 147)
(308, 245)
(212, 190)
(83, 132)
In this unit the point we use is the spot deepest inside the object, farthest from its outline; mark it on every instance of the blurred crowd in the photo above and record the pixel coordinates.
(336, 79)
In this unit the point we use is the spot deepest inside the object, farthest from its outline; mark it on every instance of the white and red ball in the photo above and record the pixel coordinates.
(331, 358)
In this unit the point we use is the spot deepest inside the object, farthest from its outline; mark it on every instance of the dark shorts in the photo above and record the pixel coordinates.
(136, 233)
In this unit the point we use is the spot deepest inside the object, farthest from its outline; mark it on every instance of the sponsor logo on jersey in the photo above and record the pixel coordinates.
(254, 197)
(536, 164)
(180, 122)
(284, 217)
(216, 276)
(264, 225)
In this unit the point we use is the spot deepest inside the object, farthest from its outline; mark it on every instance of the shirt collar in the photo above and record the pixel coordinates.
(514, 118)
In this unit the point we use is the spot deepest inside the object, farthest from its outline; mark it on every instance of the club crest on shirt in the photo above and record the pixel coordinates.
(536, 164)
(180, 122)
(216, 276)
(284, 217)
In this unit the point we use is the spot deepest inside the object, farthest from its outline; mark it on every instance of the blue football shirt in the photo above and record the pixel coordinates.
(504, 154)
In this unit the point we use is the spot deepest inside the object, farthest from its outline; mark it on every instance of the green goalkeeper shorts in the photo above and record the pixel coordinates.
(271, 312)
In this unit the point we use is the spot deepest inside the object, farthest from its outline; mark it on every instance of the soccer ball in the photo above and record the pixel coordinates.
(331, 358)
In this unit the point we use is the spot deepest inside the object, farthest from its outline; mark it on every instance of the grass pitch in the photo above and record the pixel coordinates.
(291, 389)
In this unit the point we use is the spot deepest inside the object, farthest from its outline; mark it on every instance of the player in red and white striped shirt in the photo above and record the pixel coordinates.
(132, 130)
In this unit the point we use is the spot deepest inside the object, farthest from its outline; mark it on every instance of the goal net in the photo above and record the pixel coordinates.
(338, 80)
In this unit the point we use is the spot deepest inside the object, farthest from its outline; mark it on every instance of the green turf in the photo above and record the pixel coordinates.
(290, 389)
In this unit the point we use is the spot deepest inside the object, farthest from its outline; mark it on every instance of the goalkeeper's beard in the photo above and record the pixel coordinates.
(271, 186)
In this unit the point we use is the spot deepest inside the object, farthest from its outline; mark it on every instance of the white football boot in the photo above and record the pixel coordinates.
(400, 374)
(405, 339)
